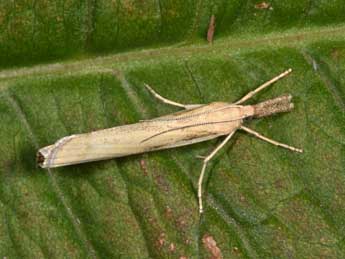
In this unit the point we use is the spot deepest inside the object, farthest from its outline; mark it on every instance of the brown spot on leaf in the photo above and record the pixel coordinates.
(161, 240)
(172, 247)
(336, 54)
(161, 182)
(168, 212)
(279, 184)
(181, 223)
(263, 5)
(211, 28)
(143, 166)
(211, 245)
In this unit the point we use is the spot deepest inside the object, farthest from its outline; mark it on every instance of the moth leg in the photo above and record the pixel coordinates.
(208, 158)
(276, 143)
(263, 86)
(167, 101)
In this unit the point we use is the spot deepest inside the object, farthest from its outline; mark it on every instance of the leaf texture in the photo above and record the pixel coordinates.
(78, 66)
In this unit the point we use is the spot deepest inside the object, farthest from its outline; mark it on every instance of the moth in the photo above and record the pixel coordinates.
(196, 123)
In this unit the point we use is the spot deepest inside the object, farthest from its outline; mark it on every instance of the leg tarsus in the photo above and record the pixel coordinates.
(263, 86)
(206, 160)
(276, 143)
(167, 101)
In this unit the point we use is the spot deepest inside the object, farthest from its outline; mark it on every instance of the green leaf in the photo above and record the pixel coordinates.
(261, 201)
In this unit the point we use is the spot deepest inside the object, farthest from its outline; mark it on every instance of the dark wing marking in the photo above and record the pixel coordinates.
(189, 126)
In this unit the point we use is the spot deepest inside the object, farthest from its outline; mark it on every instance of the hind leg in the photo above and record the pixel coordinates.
(276, 143)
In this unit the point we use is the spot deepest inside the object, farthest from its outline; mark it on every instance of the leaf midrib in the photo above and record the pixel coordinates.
(226, 45)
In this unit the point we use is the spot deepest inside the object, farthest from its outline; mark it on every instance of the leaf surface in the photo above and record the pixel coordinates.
(72, 67)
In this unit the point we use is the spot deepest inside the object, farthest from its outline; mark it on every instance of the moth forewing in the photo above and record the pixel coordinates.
(182, 128)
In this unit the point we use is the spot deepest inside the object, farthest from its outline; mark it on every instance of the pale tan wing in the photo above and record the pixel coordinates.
(183, 128)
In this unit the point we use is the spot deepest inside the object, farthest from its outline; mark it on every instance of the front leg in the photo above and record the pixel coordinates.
(167, 101)
(262, 87)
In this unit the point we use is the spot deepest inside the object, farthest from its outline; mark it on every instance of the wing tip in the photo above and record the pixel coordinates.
(40, 159)
(45, 157)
